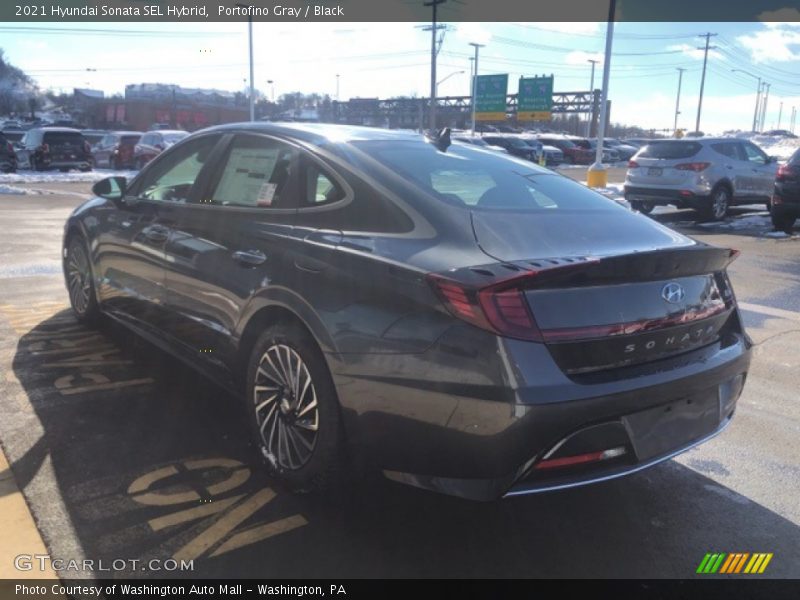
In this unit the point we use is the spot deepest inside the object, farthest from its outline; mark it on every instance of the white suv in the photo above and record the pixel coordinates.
(707, 174)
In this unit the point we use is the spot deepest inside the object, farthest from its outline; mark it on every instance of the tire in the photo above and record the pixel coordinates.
(642, 206)
(570, 160)
(117, 165)
(32, 164)
(302, 439)
(718, 204)
(783, 223)
(64, 170)
(80, 281)
(140, 163)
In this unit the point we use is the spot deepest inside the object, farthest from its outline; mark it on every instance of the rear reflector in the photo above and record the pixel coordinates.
(693, 166)
(581, 459)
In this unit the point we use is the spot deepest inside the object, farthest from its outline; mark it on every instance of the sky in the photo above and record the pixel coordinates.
(391, 59)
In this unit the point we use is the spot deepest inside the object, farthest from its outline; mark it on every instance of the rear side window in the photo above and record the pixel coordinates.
(465, 177)
(62, 137)
(726, 149)
(321, 187)
(255, 172)
(669, 150)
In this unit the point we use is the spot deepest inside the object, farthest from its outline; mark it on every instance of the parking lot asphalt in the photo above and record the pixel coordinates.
(122, 453)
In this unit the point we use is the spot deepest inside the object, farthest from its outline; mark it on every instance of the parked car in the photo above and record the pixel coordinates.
(512, 144)
(153, 143)
(470, 322)
(707, 174)
(61, 148)
(785, 205)
(552, 155)
(623, 150)
(573, 154)
(8, 157)
(609, 155)
(94, 136)
(13, 134)
(117, 150)
(479, 142)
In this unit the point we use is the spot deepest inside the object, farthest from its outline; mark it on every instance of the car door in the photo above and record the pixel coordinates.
(230, 243)
(762, 168)
(130, 249)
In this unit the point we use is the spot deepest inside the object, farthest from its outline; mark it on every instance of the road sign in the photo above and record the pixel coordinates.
(535, 98)
(490, 97)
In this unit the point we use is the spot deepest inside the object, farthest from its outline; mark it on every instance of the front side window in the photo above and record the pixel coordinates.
(754, 154)
(255, 172)
(172, 178)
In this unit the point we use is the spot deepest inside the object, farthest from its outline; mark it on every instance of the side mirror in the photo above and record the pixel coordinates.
(111, 188)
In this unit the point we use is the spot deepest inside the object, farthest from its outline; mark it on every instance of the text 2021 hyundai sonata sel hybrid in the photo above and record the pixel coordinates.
(463, 320)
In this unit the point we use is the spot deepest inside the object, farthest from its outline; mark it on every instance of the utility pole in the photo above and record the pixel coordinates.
(337, 87)
(475, 83)
(794, 118)
(591, 94)
(434, 28)
(708, 37)
(678, 100)
(764, 107)
(780, 114)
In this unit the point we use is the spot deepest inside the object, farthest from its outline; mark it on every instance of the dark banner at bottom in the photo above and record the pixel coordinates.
(382, 588)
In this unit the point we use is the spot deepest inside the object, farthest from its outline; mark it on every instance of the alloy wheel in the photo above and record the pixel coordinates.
(285, 403)
(720, 203)
(79, 277)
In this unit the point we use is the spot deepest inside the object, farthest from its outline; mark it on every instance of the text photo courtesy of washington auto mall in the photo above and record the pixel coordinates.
(299, 298)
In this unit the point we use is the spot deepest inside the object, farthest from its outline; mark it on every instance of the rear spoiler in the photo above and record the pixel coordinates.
(577, 271)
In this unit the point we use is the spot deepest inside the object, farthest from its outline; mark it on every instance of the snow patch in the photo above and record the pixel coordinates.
(58, 177)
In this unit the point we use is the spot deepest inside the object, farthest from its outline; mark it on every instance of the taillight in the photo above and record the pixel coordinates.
(785, 172)
(500, 308)
(45, 148)
(693, 166)
(87, 148)
(632, 164)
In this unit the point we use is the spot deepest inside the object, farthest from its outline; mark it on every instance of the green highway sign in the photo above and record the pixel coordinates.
(535, 98)
(490, 97)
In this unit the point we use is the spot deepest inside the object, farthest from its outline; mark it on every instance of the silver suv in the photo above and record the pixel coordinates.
(707, 174)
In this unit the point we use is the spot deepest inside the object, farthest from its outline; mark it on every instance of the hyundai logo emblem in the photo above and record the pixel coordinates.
(673, 293)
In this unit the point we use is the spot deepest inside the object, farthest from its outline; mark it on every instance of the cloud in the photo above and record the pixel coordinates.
(579, 57)
(577, 27)
(473, 32)
(778, 42)
(694, 52)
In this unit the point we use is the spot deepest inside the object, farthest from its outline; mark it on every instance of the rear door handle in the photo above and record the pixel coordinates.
(249, 258)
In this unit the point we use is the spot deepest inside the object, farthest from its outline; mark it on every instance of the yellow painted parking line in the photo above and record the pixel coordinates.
(227, 523)
(20, 535)
(260, 532)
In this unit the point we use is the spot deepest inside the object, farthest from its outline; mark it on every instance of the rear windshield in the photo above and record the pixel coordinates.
(63, 137)
(171, 138)
(469, 178)
(130, 139)
(670, 150)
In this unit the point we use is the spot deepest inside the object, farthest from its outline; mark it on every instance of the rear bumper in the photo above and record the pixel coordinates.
(663, 196)
(477, 426)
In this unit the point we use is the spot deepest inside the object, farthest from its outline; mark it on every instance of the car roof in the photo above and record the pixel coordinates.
(57, 129)
(319, 133)
(160, 131)
(126, 132)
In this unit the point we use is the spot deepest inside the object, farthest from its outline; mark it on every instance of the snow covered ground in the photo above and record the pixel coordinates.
(781, 147)
(59, 177)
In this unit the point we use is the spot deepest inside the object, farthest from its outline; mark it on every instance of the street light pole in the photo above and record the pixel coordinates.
(432, 117)
(591, 95)
(441, 81)
(764, 107)
(475, 83)
(758, 94)
(780, 114)
(250, 44)
(678, 100)
(337, 87)
(597, 176)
